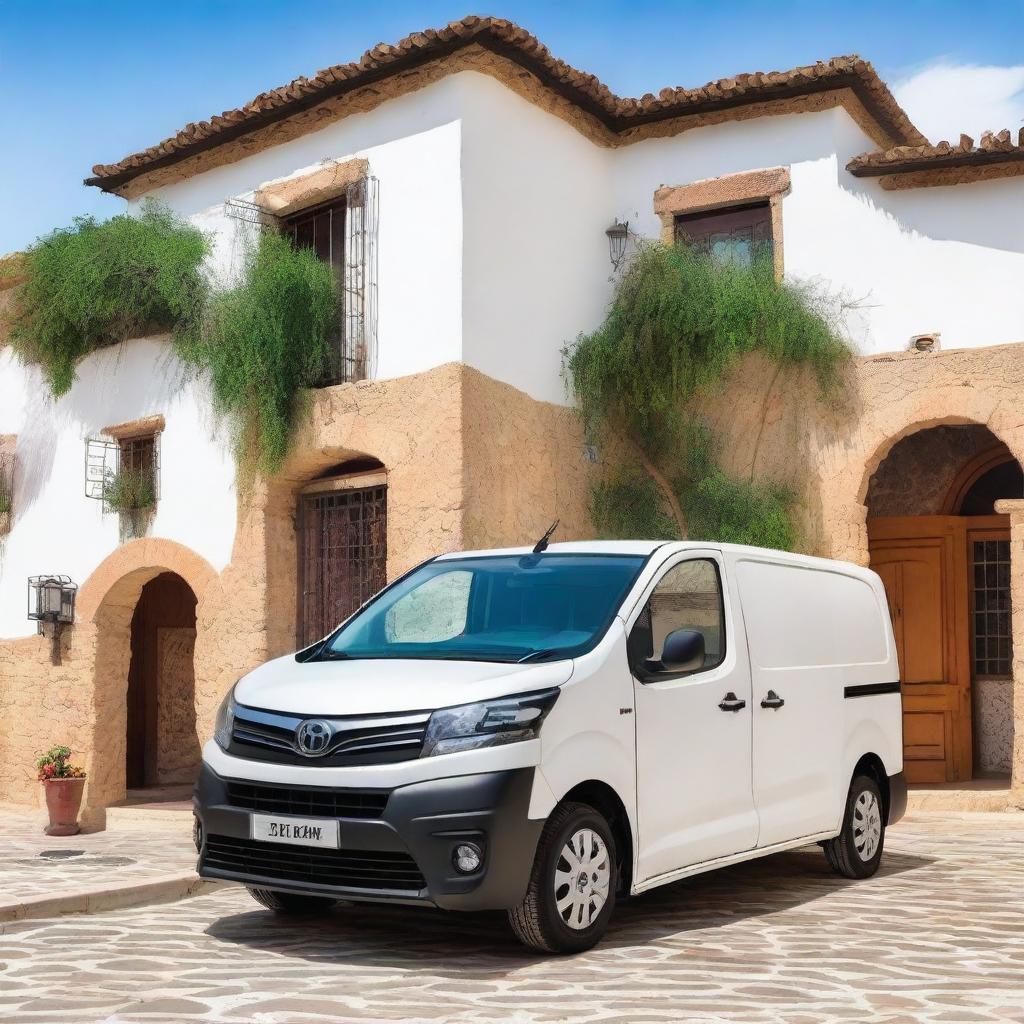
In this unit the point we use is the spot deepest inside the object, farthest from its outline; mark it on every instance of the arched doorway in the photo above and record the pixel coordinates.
(107, 602)
(162, 747)
(944, 556)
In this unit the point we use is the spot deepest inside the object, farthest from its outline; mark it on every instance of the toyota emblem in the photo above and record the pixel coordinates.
(313, 736)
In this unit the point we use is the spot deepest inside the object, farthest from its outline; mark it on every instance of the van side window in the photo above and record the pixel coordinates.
(688, 596)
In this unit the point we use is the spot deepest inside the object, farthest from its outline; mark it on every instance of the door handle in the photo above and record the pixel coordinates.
(772, 700)
(730, 702)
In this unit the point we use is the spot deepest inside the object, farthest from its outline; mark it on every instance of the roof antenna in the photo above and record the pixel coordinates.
(542, 544)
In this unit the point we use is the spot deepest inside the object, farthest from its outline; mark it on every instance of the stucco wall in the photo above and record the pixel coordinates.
(56, 528)
(536, 202)
(413, 147)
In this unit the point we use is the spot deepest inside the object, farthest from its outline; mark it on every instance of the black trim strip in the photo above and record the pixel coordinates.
(870, 689)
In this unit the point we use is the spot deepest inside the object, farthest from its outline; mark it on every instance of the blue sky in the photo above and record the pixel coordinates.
(88, 82)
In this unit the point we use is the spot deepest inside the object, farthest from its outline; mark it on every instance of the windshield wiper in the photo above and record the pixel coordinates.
(544, 652)
(330, 655)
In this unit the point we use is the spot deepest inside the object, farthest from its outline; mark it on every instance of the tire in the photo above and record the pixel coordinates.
(291, 904)
(537, 921)
(857, 851)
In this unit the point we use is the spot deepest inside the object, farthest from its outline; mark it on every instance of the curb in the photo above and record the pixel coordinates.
(113, 897)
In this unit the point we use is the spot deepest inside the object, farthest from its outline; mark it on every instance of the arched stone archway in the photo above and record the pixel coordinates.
(107, 603)
(944, 556)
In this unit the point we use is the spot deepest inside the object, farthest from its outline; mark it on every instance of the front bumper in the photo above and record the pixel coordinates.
(423, 820)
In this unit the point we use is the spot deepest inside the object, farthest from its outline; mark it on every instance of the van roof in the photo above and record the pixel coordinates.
(647, 547)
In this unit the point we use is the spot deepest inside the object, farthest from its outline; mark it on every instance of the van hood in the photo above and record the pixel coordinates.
(385, 685)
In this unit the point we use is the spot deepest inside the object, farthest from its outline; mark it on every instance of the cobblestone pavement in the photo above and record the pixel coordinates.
(937, 936)
(33, 864)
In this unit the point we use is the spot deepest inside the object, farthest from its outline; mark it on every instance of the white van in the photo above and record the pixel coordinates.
(541, 731)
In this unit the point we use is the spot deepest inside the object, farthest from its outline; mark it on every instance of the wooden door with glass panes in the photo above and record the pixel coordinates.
(947, 582)
(922, 562)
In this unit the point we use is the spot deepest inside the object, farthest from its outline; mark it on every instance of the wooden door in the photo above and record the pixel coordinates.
(922, 561)
(342, 552)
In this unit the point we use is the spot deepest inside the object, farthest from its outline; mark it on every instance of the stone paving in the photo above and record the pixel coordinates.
(34, 865)
(937, 936)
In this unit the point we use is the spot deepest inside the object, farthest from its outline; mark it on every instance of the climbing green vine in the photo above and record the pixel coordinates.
(678, 325)
(265, 340)
(262, 340)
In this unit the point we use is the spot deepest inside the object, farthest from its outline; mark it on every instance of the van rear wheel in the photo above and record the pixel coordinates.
(571, 893)
(857, 851)
(292, 904)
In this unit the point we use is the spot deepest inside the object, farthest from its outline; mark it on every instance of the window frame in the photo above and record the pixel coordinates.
(727, 192)
(636, 659)
(760, 215)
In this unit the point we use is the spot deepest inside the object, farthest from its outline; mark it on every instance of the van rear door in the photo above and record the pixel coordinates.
(810, 631)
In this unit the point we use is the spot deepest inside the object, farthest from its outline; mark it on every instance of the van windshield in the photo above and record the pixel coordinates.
(491, 608)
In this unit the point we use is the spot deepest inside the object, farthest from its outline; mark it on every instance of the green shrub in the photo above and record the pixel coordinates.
(95, 284)
(263, 342)
(629, 504)
(129, 490)
(739, 512)
(678, 324)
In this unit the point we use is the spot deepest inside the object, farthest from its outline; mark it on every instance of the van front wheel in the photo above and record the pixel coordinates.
(572, 886)
(857, 851)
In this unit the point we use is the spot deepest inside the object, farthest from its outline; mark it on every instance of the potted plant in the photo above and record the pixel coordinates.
(63, 784)
(132, 494)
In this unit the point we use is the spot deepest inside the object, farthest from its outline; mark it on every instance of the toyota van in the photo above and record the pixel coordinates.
(544, 731)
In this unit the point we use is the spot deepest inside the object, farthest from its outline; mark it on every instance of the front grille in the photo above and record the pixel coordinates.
(368, 739)
(352, 869)
(321, 803)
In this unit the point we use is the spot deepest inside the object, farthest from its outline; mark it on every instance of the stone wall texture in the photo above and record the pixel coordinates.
(917, 474)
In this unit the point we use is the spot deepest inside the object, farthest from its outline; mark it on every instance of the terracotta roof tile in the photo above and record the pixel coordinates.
(507, 39)
(994, 147)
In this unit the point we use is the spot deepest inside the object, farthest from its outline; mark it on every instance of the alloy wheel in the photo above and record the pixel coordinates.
(582, 879)
(867, 825)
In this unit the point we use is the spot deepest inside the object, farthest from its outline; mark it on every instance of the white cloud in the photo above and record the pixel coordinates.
(945, 99)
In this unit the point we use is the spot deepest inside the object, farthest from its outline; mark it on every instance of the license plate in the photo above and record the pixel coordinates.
(282, 828)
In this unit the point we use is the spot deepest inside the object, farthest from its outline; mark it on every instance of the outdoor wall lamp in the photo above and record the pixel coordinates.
(51, 601)
(618, 238)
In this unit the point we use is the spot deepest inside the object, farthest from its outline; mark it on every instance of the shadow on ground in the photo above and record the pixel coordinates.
(378, 934)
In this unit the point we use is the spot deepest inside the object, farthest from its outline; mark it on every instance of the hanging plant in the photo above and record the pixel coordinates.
(678, 324)
(95, 284)
(263, 342)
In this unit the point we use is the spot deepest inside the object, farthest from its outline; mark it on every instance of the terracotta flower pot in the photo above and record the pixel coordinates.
(63, 798)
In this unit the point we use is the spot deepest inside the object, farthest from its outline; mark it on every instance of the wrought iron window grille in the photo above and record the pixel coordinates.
(106, 461)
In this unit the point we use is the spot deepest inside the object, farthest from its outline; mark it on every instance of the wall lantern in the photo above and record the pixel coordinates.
(618, 239)
(51, 601)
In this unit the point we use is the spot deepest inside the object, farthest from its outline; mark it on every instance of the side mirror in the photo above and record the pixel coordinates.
(683, 651)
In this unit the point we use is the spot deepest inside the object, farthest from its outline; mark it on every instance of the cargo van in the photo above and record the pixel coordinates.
(546, 730)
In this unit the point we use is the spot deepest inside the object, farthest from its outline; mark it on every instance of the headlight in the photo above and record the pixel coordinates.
(225, 720)
(490, 723)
